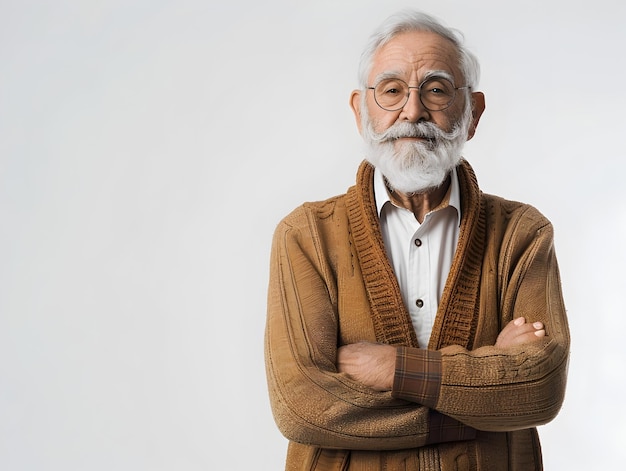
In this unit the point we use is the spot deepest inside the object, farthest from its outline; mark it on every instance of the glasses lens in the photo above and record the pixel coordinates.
(437, 93)
(391, 94)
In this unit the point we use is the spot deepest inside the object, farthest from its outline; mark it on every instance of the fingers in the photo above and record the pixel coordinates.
(523, 327)
(540, 331)
(517, 332)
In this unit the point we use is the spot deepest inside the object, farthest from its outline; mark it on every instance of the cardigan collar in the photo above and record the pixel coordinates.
(457, 315)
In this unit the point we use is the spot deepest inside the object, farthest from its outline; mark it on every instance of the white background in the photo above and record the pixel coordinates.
(149, 148)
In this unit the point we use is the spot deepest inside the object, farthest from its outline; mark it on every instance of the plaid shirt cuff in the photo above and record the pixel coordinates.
(418, 376)
(418, 379)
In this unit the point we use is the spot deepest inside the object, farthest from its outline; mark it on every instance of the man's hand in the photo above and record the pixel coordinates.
(372, 364)
(518, 331)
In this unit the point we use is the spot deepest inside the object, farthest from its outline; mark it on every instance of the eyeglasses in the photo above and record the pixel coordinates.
(436, 93)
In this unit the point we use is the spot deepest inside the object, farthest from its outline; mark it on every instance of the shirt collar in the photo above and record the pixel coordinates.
(381, 193)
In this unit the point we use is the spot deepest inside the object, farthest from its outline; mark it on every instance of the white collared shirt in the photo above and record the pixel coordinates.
(421, 254)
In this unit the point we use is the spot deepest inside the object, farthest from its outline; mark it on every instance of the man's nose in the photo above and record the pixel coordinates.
(413, 110)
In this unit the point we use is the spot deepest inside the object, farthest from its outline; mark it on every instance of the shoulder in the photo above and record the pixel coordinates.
(312, 214)
(516, 228)
(514, 214)
(315, 230)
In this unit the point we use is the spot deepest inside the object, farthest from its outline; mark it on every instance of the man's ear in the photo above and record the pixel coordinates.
(478, 107)
(355, 104)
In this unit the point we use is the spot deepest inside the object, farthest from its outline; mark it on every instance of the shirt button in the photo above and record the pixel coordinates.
(419, 303)
(418, 242)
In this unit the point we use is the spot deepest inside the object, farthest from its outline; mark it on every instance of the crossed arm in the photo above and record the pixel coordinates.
(344, 397)
(374, 364)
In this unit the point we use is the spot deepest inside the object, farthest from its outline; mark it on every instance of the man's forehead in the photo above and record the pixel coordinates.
(425, 75)
(416, 50)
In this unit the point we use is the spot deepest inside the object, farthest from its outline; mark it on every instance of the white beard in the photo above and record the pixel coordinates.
(415, 166)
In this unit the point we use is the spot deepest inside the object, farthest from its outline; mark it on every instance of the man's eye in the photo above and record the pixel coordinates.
(438, 87)
(392, 91)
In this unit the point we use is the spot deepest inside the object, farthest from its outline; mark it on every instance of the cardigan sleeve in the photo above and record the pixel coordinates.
(503, 389)
(312, 403)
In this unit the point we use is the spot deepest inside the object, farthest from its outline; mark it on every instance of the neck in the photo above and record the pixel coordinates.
(420, 204)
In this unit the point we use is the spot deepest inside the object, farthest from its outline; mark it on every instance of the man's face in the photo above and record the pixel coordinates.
(415, 147)
(411, 56)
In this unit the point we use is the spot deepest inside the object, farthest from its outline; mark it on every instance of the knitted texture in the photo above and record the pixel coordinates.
(331, 284)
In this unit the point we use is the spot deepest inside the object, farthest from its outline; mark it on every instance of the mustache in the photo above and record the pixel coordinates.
(422, 130)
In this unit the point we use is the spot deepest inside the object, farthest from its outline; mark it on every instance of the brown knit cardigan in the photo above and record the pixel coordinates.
(331, 284)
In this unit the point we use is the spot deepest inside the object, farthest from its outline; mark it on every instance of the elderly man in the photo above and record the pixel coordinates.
(414, 322)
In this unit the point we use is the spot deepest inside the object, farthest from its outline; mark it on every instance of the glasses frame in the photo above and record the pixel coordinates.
(402, 104)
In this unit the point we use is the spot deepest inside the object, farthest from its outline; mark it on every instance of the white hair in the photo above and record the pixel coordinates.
(411, 20)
